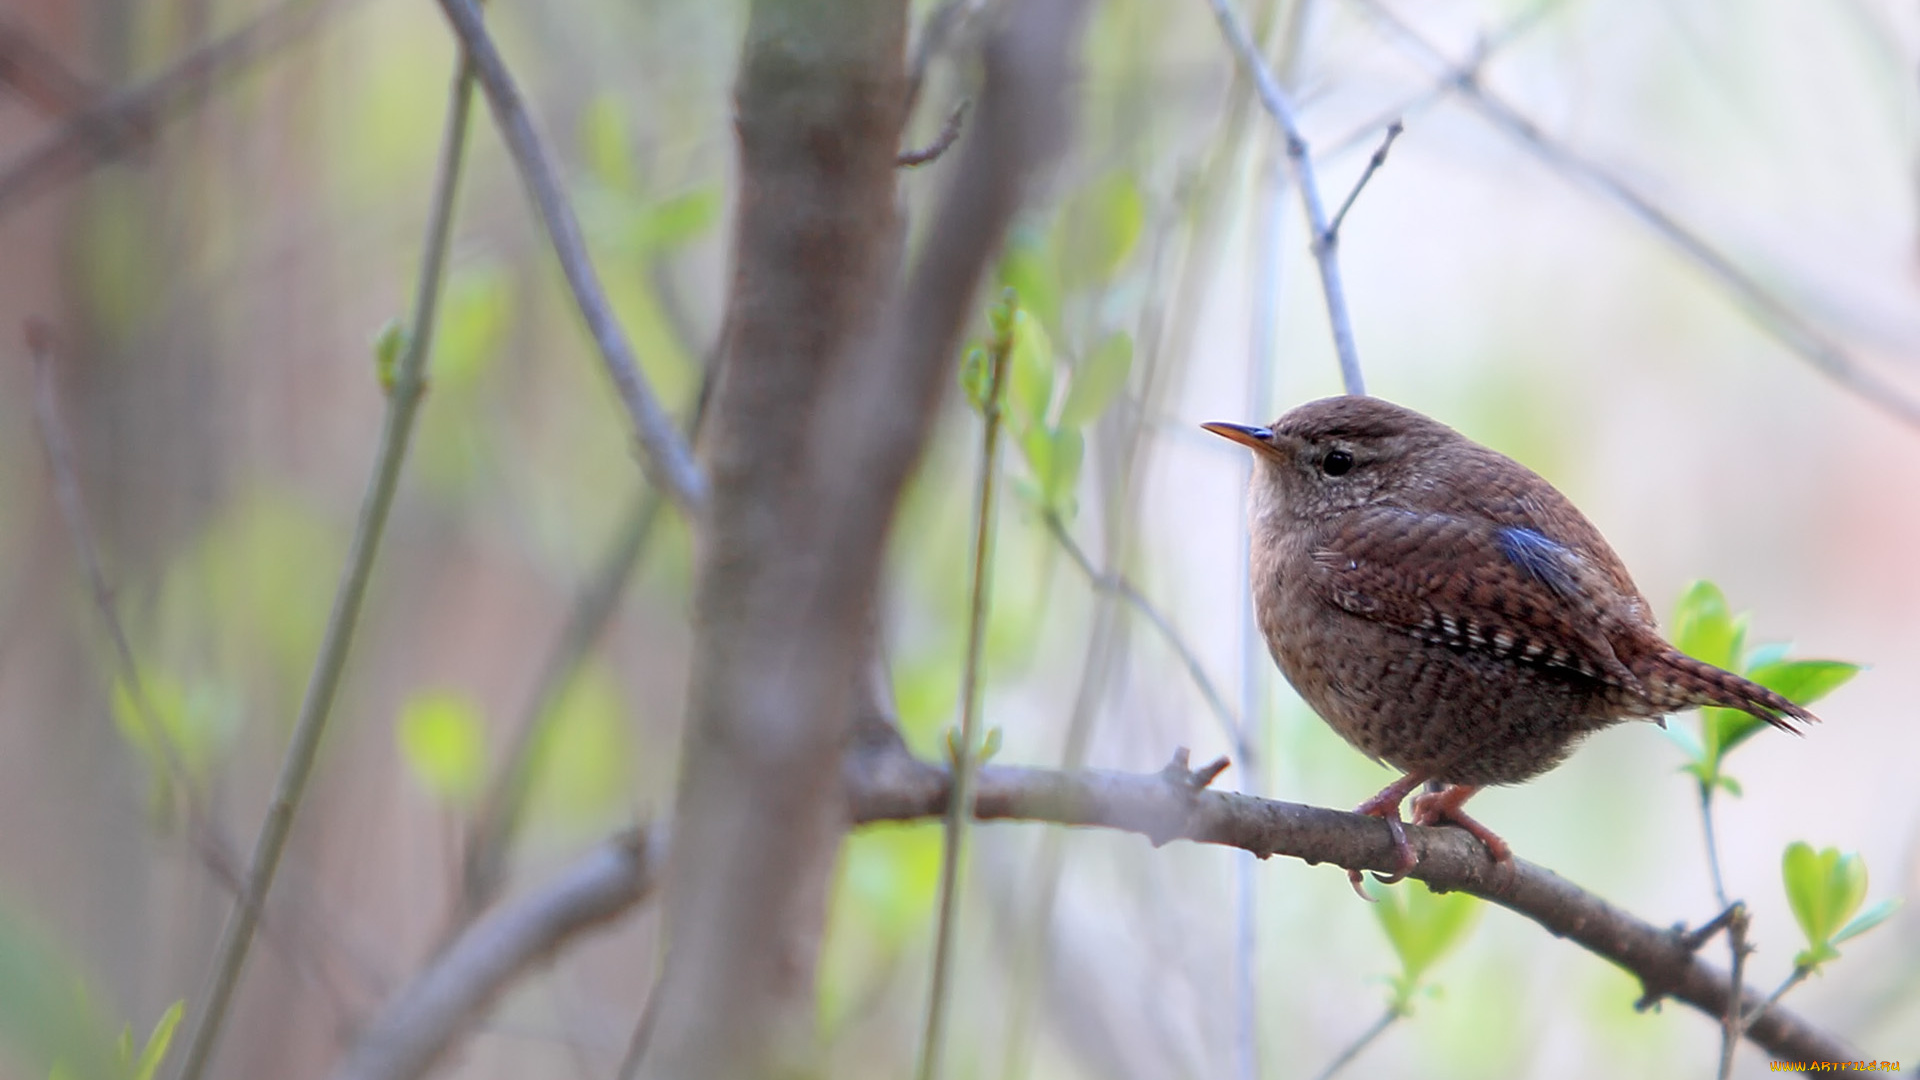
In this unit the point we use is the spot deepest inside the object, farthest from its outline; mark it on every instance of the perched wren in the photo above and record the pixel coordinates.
(1447, 611)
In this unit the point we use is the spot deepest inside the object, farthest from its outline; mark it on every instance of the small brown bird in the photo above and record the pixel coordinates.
(1447, 611)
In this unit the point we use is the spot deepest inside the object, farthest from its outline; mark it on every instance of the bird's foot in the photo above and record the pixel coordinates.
(1386, 807)
(1443, 808)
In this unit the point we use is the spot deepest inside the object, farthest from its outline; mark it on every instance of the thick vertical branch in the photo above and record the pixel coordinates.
(816, 240)
(827, 396)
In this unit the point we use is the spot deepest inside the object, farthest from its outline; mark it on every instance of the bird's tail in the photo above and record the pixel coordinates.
(1678, 681)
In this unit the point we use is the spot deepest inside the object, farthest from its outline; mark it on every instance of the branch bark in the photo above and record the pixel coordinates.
(756, 826)
(447, 997)
(883, 782)
(834, 373)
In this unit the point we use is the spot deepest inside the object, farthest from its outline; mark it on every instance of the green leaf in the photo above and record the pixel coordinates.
(1054, 456)
(1069, 451)
(1029, 267)
(674, 221)
(1030, 369)
(1422, 926)
(991, 744)
(389, 344)
(1824, 888)
(1731, 727)
(443, 741)
(157, 1043)
(1096, 380)
(1803, 682)
(603, 142)
(1114, 213)
(1037, 448)
(1704, 629)
(1868, 919)
(1814, 956)
(975, 373)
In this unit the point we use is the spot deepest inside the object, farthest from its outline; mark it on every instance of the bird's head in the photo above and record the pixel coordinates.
(1342, 453)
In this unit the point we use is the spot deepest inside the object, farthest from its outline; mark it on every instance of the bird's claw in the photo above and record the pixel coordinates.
(1443, 808)
(1404, 857)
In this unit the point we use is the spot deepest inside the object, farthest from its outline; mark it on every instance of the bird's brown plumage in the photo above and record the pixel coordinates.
(1444, 608)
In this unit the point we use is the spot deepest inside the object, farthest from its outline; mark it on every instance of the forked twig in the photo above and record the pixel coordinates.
(669, 458)
(1325, 242)
(1768, 310)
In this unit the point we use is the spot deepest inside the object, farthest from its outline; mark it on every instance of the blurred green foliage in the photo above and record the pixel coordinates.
(584, 754)
(198, 723)
(145, 1064)
(1422, 926)
(443, 740)
(46, 1017)
(882, 906)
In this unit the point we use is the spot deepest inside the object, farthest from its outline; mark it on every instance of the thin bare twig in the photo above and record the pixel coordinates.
(1359, 1045)
(941, 25)
(1734, 916)
(204, 835)
(1731, 1026)
(505, 800)
(669, 458)
(73, 509)
(966, 751)
(39, 76)
(403, 404)
(1159, 336)
(1378, 159)
(1794, 978)
(1698, 938)
(642, 1034)
(1713, 849)
(1123, 589)
(1771, 313)
(1483, 50)
(123, 119)
(949, 134)
(1325, 242)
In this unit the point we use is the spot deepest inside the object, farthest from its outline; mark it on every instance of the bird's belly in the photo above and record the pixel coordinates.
(1457, 715)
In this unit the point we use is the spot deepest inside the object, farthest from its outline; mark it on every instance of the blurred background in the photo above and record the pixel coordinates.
(215, 271)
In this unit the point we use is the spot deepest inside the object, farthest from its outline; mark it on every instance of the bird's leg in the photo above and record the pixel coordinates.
(1443, 807)
(1386, 807)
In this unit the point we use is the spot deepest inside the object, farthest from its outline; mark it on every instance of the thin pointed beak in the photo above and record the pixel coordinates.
(1258, 438)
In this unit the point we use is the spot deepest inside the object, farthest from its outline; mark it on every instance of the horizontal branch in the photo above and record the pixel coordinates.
(446, 998)
(886, 783)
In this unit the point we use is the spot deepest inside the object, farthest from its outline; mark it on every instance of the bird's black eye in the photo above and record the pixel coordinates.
(1336, 463)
